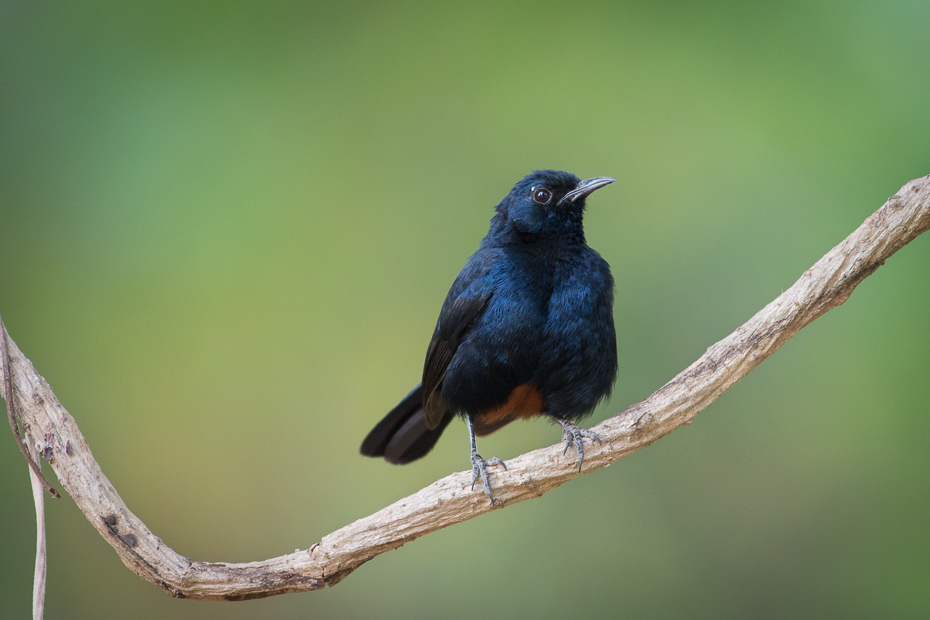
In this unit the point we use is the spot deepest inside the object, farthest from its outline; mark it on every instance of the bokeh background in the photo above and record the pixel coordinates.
(226, 231)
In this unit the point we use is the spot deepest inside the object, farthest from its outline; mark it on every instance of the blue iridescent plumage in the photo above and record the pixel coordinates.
(526, 328)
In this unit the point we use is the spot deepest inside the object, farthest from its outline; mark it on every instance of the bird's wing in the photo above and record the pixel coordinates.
(465, 302)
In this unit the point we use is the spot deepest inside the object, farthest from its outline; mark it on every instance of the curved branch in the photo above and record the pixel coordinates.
(448, 501)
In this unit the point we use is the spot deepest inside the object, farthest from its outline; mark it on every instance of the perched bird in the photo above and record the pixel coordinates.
(526, 330)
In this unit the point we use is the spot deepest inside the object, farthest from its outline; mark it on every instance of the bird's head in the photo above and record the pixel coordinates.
(548, 201)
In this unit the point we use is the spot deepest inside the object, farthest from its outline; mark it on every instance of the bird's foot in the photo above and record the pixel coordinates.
(572, 434)
(479, 469)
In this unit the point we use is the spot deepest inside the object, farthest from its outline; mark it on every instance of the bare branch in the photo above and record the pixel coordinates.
(39, 484)
(11, 411)
(448, 501)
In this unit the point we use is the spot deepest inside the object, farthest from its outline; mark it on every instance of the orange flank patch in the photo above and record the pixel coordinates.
(525, 401)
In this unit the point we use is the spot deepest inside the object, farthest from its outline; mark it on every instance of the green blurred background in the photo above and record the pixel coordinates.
(226, 231)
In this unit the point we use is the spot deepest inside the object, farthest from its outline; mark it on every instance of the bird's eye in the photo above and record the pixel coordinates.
(542, 196)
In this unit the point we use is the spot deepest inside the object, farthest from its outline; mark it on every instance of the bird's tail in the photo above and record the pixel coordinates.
(401, 436)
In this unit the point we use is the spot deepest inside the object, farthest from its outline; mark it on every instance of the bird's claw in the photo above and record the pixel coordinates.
(479, 470)
(572, 434)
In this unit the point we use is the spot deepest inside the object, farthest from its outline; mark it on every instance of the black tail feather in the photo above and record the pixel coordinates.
(401, 436)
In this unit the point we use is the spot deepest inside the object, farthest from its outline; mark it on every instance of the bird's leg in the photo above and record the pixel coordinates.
(479, 465)
(572, 434)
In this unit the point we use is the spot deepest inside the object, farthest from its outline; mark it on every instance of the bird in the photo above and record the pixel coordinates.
(526, 330)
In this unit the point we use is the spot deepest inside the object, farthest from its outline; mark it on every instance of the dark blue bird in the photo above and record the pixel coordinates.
(527, 329)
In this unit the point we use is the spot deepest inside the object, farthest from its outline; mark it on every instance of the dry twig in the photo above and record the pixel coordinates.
(448, 501)
(38, 581)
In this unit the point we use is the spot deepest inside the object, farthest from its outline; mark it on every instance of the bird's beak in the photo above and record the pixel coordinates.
(584, 188)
